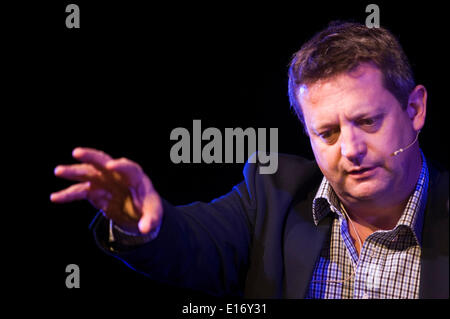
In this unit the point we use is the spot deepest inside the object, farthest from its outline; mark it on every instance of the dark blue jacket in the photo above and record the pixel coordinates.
(260, 241)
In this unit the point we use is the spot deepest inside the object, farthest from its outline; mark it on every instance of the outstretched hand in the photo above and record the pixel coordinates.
(118, 187)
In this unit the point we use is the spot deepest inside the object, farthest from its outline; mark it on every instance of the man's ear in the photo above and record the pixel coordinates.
(417, 106)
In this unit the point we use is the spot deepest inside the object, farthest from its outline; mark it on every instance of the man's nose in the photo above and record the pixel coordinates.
(353, 146)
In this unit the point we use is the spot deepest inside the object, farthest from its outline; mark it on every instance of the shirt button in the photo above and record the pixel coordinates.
(365, 296)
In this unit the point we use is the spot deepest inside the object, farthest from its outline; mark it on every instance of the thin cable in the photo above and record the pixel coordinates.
(360, 247)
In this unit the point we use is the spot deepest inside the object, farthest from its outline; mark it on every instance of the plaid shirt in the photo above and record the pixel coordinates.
(389, 262)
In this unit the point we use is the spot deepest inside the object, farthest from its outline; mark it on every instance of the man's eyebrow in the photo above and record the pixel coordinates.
(323, 126)
(365, 114)
(354, 117)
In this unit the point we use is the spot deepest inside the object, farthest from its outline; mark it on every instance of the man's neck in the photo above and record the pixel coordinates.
(377, 218)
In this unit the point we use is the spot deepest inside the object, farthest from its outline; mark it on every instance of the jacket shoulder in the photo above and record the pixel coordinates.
(294, 173)
(438, 187)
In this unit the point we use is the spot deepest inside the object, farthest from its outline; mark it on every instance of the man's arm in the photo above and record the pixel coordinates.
(202, 246)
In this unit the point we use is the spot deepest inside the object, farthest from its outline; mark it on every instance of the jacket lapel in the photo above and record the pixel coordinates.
(302, 245)
(434, 277)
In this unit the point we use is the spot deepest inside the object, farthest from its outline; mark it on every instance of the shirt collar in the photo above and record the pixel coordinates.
(413, 214)
(326, 201)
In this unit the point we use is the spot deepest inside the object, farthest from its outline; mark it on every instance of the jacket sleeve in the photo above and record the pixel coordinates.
(201, 246)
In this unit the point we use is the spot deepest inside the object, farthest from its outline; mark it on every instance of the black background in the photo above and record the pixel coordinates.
(131, 74)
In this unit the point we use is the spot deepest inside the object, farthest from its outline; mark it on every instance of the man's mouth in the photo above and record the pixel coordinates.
(361, 171)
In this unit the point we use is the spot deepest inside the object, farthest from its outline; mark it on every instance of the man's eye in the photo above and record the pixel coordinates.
(325, 135)
(367, 122)
(370, 124)
(328, 136)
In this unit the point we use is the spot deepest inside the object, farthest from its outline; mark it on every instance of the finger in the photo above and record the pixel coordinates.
(128, 169)
(145, 224)
(92, 156)
(151, 214)
(75, 192)
(78, 172)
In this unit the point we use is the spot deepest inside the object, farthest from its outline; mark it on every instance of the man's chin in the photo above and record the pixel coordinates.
(365, 191)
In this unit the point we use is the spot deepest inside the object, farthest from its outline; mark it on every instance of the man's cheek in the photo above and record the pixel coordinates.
(330, 170)
(320, 153)
(390, 165)
(329, 159)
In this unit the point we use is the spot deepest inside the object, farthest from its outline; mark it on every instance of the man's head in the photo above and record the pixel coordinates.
(342, 47)
(353, 90)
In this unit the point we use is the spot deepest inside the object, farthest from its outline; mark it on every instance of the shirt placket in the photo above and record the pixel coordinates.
(352, 254)
(369, 272)
(367, 266)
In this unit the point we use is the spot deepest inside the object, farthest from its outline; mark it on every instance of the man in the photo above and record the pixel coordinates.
(367, 219)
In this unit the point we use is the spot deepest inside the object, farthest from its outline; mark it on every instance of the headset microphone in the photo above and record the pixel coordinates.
(406, 147)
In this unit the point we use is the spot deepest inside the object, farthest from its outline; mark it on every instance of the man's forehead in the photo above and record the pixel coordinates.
(314, 93)
(365, 76)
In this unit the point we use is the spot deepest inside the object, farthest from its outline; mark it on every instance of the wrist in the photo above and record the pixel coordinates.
(130, 237)
(127, 230)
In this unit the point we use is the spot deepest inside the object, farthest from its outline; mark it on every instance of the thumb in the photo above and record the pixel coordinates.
(151, 214)
(145, 223)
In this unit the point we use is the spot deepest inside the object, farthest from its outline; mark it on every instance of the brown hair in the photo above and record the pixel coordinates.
(341, 47)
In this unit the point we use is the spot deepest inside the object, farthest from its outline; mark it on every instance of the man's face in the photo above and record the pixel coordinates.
(355, 125)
